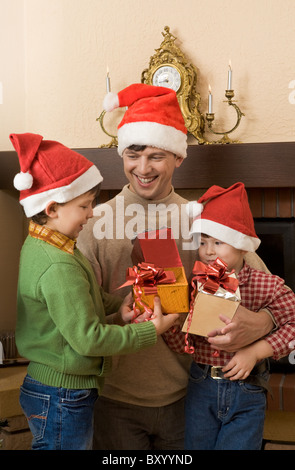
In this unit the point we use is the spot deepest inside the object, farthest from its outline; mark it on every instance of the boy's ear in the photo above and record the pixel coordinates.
(51, 209)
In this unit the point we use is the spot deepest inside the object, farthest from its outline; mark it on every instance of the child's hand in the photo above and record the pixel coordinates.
(240, 365)
(125, 311)
(162, 322)
(128, 315)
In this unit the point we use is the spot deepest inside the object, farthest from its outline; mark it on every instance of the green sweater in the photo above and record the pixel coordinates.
(61, 325)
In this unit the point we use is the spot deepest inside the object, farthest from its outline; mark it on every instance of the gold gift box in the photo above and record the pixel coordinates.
(161, 251)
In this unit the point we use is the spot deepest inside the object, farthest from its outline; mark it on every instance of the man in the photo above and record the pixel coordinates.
(142, 404)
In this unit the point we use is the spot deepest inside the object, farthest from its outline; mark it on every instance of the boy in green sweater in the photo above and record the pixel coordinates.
(61, 326)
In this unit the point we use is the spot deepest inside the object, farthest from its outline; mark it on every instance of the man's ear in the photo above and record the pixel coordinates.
(51, 209)
(178, 161)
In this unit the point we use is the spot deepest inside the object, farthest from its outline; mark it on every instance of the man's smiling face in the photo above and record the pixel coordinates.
(150, 171)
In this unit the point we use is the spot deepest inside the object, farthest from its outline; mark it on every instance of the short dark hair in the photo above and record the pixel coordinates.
(137, 148)
(141, 148)
(41, 218)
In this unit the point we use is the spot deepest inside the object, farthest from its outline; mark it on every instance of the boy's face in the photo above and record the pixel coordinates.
(150, 171)
(70, 217)
(211, 248)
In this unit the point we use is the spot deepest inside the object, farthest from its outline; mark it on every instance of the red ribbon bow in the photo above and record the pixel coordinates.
(147, 275)
(211, 276)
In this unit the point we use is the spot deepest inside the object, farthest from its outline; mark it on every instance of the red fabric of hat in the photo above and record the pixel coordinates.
(153, 118)
(50, 172)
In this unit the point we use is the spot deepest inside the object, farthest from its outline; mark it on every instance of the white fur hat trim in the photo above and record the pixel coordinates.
(37, 202)
(225, 234)
(152, 134)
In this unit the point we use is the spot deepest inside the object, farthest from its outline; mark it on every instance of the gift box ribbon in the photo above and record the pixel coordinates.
(211, 277)
(147, 276)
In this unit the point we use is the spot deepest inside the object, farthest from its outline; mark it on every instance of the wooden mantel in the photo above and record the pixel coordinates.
(263, 165)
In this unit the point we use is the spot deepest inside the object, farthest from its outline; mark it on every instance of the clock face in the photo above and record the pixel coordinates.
(168, 77)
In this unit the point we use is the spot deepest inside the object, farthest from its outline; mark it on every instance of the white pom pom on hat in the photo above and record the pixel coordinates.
(23, 181)
(110, 102)
(194, 209)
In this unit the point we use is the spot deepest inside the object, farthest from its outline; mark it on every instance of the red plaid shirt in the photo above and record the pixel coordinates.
(258, 290)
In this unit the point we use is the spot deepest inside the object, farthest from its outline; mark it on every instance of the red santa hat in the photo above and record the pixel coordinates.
(153, 118)
(50, 172)
(225, 214)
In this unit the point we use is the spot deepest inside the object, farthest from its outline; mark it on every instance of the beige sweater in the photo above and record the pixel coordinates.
(157, 376)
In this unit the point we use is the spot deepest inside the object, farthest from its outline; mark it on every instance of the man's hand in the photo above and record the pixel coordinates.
(245, 328)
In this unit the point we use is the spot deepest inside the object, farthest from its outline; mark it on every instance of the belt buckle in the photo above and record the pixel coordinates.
(215, 370)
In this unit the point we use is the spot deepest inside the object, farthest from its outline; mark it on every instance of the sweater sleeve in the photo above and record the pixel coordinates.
(80, 319)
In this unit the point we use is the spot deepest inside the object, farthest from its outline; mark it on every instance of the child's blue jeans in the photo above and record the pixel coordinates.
(59, 418)
(223, 414)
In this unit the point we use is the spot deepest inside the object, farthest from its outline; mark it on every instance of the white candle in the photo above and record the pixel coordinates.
(108, 81)
(1, 353)
(210, 101)
(229, 77)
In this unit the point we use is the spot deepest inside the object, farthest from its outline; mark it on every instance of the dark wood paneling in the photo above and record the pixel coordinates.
(263, 165)
(256, 165)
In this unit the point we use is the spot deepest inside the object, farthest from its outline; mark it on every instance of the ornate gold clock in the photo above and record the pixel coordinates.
(169, 67)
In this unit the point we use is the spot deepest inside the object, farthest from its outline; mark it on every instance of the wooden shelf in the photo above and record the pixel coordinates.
(263, 165)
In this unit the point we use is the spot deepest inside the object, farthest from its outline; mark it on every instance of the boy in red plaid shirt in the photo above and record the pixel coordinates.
(226, 394)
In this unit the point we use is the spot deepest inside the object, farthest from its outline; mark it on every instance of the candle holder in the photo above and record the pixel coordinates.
(229, 94)
(114, 141)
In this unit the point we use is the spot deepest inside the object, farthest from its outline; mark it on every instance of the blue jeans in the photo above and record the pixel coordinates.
(59, 418)
(222, 414)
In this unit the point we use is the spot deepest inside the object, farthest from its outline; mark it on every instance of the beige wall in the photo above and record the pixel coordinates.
(57, 51)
